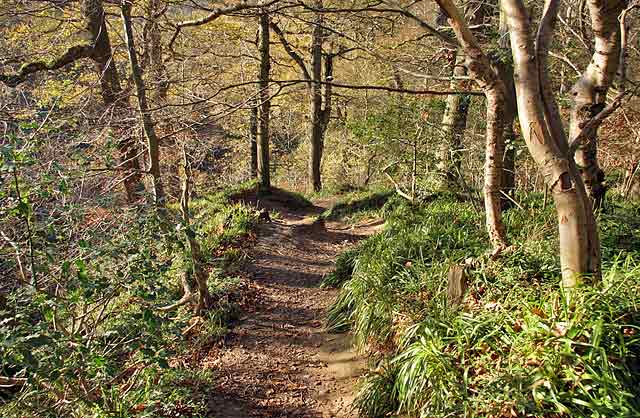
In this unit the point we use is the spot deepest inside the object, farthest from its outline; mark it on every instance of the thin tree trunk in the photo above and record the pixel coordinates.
(265, 104)
(204, 297)
(480, 70)
(493, 172)
(504, 68)
(111, 90)
(544, 137)
(590, 91)
(316, 134)
(253, 141)
(143, 107)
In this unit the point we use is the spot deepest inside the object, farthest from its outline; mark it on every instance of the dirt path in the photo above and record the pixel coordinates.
(278, 361)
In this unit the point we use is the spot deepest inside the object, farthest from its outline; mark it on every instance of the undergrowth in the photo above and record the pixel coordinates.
(98, 345)
(357, 205)
(514, 347)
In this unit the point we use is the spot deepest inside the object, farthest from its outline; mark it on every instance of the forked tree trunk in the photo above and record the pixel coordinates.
(111, 90)
(143, 107)
(543, 133)
(319, 114)
(480, 70)
(265, 103)
(590, 91)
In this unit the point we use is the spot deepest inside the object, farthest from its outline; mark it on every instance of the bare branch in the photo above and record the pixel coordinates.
(293, 54)
(216, 13)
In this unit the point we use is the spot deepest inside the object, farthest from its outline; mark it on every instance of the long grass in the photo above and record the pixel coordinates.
(513, 348)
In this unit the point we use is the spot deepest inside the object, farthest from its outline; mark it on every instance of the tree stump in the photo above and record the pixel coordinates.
(457, 285)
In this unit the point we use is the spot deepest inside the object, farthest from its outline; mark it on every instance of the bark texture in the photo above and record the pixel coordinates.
(504, 67)
(316, 130)
(590, 91)
(579, 246)
(154, 62)
(253, 141)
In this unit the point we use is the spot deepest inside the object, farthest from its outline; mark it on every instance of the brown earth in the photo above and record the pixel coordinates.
(278, 360)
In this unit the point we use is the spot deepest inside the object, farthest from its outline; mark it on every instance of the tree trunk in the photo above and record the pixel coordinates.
(454, 123)
(102, 55)
(579, 248)
(493, 171)
(590, 91)
(112, 94)
(253, 141)
(265, 103)
(154, 62)
(504, 67)
(483, 74)
(317, 131)
(204, 297)
(143, 107)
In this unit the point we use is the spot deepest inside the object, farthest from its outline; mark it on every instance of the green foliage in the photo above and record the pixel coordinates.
(90, 340)
(345, 264)
(358, 205)
(514, 348)
(219, 222)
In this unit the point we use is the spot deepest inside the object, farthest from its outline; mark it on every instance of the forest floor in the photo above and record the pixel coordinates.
(278, 360)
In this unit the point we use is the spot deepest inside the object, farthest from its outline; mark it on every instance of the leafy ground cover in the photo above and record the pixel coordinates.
(94, 341)
(514, 347)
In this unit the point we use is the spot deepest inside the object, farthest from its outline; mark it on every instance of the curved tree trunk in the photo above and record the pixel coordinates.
(590, 91)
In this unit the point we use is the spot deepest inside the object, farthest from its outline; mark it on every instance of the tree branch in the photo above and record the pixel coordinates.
(293, 54)
(385, 88)
(216, 13)
(71, 55)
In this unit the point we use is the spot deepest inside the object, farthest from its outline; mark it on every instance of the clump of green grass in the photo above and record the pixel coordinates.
(358, 205)
(219, 222)
(345, 264)
(514, 347)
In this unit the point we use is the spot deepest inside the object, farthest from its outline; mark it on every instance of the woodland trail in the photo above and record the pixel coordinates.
(278, 361)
